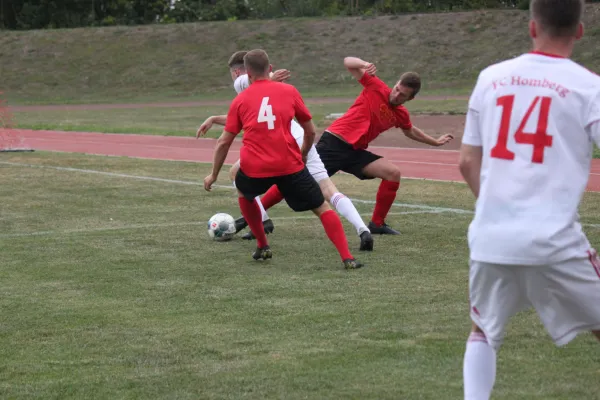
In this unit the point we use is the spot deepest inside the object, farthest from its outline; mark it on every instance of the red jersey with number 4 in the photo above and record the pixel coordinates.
(265, 111)
(535, 118)
(370, 115)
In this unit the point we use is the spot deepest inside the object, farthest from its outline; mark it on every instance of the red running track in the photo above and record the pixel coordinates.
(414, 163)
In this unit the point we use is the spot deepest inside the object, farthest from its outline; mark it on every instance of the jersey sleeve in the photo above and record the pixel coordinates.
(242, 82)
(234, 122)
(592, 123)
(472, 133)
(301, 112)
(403, 121)
(371, 82)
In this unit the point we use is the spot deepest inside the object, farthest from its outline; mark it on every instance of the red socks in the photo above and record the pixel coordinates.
(252, 215)
(272, 197)
(384, 200)
(335, 232)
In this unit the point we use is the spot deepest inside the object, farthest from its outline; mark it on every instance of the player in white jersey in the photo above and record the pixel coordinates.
(526, 155)
(313, 163)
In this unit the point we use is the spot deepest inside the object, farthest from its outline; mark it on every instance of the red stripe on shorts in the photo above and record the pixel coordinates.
(593, 256)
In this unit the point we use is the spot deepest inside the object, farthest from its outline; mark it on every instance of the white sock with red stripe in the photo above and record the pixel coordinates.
(345, 207)
(479, 368)
(263, 212)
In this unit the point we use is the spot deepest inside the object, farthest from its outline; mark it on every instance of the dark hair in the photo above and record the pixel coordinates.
(557, 18)
(257, 61)
(237, 59)
(411, 80)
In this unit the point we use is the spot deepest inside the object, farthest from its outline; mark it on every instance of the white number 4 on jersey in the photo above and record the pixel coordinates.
(265, 114)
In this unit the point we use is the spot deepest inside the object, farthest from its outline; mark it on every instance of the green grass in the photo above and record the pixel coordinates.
(182, 121)
(159, 62)
(112, 289)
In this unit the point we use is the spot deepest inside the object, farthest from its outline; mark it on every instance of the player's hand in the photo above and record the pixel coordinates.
(370, 69)
(281, 75)
(442, 140)
(208, 182)
(206, 125)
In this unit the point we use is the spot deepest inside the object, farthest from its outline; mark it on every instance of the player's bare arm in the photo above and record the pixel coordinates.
(358, 67)
(221, 150)
(470, 166)
(210, 121)
(309, 137)
(418, 135)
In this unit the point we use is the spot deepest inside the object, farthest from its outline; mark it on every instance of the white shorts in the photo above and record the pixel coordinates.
(566, 297)
(315, 166)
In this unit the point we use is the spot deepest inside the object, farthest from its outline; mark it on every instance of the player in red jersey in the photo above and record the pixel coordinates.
(377, 109)
(270, 155)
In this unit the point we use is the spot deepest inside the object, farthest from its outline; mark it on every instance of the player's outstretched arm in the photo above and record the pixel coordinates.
(470, 166)
(206, 125)
(219, 156)
(417, 134)
(358, 67)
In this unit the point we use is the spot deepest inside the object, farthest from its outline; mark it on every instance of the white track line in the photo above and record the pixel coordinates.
(423, 209)
(193, 183)
(169, 225)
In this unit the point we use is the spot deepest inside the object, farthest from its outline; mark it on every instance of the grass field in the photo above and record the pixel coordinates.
(111, 289)
(183, 121)
(188, 61)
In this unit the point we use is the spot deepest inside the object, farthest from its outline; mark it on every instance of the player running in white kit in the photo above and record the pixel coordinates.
(313, 163)
(526, 155)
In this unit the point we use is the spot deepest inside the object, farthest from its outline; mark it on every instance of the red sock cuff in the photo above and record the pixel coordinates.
(390, 185)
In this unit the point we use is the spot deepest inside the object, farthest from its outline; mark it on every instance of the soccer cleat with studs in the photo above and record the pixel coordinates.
(240, 224)
(264, 253)
(366, 241)
(383, 229)
(351, 263)
(267, 225)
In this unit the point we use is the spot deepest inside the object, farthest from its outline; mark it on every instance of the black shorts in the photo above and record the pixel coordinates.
(300, 190)
(338, 155)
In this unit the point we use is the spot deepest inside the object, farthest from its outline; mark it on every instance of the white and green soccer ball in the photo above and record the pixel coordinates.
(221, 227)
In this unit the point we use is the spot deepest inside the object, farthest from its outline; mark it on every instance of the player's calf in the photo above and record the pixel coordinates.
(335, 232)
(386, 194)
(479, 367)
(344, 206)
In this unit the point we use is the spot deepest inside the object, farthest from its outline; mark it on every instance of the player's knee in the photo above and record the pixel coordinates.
(393, 174)
(477, 329)
(597, 333)
(327, 188)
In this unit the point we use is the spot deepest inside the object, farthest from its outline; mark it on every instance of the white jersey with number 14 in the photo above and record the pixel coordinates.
(536, 118)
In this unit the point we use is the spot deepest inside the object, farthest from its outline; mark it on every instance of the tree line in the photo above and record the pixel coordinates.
(51, 14)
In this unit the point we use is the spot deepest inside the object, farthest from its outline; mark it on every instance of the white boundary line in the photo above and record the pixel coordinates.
(175, 224)
(422, 208)
(193, 183)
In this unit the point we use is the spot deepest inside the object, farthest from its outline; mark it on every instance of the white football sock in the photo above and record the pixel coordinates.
(479, 368)
(262, 209)
(345, 207)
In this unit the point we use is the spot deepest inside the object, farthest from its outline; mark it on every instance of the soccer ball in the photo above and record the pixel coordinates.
(221, 227)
